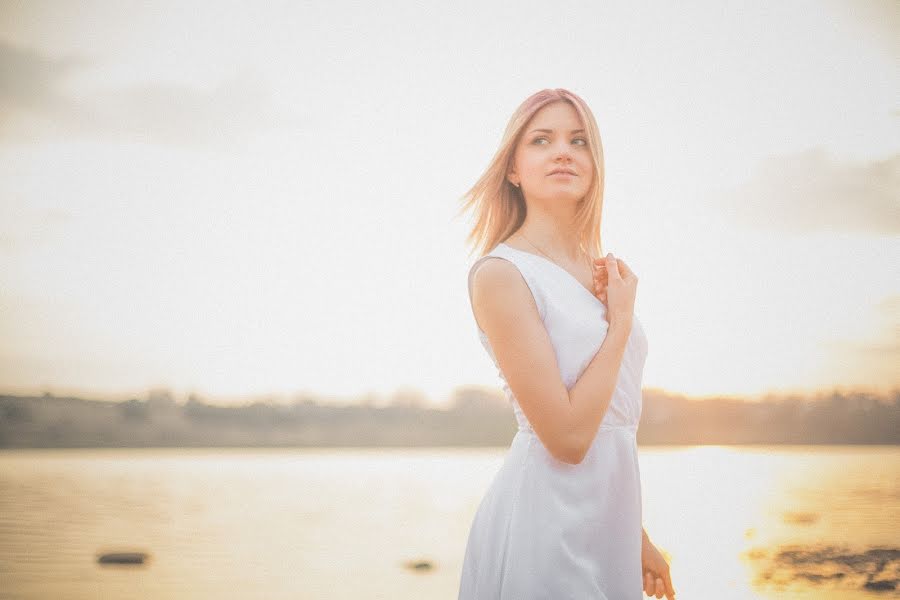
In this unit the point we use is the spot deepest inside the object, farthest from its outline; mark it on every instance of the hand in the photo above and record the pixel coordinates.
(657, 579)
(598, 266)
(615, 284)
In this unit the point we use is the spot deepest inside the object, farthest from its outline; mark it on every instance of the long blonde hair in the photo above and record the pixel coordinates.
(499, 206)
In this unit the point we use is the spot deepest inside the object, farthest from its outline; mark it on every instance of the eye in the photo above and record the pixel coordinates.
(582, 140)
(537, 139)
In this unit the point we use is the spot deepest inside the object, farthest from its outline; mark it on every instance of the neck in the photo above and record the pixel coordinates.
(554, 233)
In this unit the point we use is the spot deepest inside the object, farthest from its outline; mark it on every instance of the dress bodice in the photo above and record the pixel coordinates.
(576, 323)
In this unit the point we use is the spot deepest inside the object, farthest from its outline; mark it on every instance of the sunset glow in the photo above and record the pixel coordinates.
(249, 201)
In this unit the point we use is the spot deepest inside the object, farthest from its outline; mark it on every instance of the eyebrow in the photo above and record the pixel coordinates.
(551, 131)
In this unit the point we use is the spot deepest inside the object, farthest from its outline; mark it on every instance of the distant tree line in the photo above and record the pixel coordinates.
(476, 416)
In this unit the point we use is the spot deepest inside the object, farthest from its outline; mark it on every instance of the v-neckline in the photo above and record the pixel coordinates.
(547, 260)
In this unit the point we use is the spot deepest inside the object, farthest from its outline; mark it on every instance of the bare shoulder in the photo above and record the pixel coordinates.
(496, 274)
(506, 312)
(500, 295)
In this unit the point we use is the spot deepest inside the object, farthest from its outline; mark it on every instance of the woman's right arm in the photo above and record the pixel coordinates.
(564, 420)
(592, 392)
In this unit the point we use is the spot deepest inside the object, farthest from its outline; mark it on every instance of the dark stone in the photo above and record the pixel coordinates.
(882, 585)
(419, 565)
(122, 558)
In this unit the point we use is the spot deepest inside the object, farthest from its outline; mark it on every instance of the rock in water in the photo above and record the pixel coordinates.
(122, 558)
(419, 565)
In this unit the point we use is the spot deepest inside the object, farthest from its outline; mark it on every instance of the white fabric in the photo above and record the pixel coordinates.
(546, 529)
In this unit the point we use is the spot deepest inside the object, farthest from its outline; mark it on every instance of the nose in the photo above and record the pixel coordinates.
(563, 152)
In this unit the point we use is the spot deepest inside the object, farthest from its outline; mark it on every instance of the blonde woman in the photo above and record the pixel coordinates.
(562, 517)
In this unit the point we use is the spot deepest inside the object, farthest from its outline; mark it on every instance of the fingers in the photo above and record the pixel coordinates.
(612, 265)
(624, 269)
(601, 279)
(653, 586)
(599, 286)
(670, 590)
(599, 274)
(658, 586)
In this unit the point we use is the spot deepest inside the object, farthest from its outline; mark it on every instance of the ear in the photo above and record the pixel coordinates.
(513, 178)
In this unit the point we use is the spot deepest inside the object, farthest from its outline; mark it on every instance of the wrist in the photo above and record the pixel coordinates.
(644, 536)
(620, 324)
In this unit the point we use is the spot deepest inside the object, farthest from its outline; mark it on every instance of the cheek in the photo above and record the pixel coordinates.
(584, 159)
(525, 163)
(587, 167)
(532, 168)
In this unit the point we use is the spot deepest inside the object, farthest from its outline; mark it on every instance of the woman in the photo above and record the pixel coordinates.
(562, 517)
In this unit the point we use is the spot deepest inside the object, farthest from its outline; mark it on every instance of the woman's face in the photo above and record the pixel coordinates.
(553, 140)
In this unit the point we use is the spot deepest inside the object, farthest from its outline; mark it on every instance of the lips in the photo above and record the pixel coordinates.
(561, 171)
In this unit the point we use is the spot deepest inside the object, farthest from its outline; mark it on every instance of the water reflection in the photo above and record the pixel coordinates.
(735, 522)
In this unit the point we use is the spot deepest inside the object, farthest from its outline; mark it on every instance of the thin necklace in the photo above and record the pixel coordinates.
(553, 261)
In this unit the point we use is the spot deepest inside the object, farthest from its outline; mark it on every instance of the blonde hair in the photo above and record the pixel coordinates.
(499, 206)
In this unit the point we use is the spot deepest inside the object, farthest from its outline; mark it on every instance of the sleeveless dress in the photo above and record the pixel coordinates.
(547, 529)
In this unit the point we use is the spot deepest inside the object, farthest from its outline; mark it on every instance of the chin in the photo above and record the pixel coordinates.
(564, 195)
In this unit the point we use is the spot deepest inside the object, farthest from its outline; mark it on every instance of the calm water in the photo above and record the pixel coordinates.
(737, 521)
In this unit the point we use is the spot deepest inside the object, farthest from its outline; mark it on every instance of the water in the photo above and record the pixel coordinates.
(736, 521)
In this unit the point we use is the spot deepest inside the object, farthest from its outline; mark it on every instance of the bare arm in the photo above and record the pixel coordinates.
(592, 392)
(564, 420)
(598, 381)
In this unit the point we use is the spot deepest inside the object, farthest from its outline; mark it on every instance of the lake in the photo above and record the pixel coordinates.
(737, 522)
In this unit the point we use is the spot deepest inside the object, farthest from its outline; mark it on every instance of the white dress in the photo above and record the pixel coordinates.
(546, 529)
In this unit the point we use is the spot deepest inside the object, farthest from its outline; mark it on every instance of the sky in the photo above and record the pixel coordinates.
(241, 200)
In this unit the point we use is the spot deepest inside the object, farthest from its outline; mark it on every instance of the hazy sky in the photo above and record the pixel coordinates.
(241, 200)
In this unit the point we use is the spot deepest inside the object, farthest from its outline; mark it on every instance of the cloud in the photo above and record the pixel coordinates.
(810, 192)
(879, 20)
(35, 105)
(29, 81)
